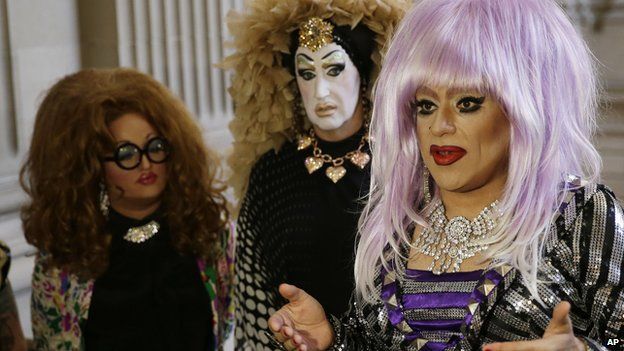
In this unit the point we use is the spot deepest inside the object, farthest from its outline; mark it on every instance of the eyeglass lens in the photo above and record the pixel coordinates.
(129, 155)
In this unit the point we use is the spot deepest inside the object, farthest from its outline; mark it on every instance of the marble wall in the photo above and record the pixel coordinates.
(39, 43)
(607, 44)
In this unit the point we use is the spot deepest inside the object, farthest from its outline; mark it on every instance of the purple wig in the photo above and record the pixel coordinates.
(525, 54)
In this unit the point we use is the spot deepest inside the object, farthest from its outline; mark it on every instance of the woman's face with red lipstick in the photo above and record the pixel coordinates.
(463, 136)
(141, 187)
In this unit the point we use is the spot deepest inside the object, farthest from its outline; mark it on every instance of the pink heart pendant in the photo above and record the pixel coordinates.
(335, 173)
(303, 142)
(360, 159)
(313, 163)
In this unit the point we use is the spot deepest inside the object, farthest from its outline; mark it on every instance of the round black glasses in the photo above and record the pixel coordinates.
(128, 155)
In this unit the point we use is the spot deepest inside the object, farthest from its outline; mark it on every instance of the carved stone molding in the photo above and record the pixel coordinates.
(176, 41)
(10, 193)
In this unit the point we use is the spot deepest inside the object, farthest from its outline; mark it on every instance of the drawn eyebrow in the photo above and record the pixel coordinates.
(126, 141)
(453, 91)
(324, 57)
(306, 57)
(428, 91)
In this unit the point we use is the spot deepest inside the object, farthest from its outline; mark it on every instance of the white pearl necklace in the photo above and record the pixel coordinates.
(450, 242)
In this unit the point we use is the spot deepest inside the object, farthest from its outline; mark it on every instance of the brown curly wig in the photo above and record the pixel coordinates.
(63, 169)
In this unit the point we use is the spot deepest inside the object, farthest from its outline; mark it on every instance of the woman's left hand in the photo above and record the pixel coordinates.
(559, 335)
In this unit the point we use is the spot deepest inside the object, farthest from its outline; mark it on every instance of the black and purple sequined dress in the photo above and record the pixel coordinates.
(431, 309)
(583, 264)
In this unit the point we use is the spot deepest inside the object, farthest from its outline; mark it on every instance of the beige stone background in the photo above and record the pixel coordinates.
(177, 41)
(606, 39)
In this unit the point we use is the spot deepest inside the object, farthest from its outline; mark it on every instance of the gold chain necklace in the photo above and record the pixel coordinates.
(336, 171)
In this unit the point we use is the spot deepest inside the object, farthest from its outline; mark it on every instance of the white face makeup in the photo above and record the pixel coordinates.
(329, 84)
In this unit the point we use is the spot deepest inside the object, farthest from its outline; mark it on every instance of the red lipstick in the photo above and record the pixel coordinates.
(147, 178)
(447, 154)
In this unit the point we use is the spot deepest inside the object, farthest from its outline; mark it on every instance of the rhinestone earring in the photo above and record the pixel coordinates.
(426, 190)
(104, 200)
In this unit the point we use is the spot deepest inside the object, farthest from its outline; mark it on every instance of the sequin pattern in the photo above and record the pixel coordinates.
(582, 265)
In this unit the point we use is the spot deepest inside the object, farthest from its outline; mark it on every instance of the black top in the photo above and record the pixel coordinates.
(150, 297)
(297, 228)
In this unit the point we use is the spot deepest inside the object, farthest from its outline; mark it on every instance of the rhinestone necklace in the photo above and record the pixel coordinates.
(450, 242)
(140, 234)
(336, 171)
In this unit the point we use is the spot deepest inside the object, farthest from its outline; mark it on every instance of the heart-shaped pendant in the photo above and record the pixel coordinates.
(335, 173)
(313, 163)
(360, 159)
(303, 141)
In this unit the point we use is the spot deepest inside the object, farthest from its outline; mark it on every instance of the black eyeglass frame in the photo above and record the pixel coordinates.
(142, 151)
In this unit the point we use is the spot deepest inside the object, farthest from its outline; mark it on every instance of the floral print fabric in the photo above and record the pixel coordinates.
(60, 301)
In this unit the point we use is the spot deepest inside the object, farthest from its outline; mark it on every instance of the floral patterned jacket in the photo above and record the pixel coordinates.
(60, 301)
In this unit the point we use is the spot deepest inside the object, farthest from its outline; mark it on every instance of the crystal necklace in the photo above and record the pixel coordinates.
(450, 242)
(336, 171)
(140, 234)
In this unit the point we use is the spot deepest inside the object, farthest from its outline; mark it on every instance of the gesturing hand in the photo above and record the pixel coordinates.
(558, 335)
(301, 324)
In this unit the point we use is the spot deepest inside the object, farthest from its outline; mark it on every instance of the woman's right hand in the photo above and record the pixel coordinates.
(301, 324)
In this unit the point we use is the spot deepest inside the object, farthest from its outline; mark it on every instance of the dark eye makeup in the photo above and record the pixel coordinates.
(466, 104)
(424, 107)
(335, 70)
(306, 74)
(469, 104)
